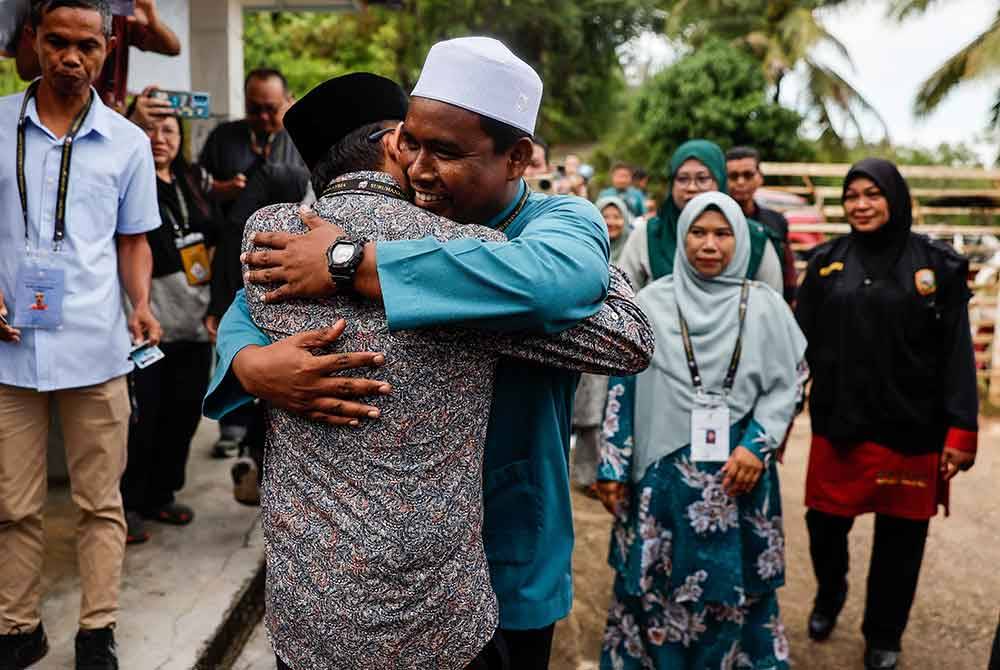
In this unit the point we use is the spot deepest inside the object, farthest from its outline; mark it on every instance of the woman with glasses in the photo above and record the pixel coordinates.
(696, 167)
(688, 461)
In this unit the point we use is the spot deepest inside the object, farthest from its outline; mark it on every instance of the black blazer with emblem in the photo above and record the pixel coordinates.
(891, 356)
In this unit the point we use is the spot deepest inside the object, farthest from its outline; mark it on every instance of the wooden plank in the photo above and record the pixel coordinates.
(839, 170)
(837, 212)
(834, 192)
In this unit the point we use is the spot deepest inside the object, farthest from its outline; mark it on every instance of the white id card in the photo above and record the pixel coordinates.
(145, 354)
(710, 432)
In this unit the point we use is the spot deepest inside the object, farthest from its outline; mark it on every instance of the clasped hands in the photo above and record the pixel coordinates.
(742, 472)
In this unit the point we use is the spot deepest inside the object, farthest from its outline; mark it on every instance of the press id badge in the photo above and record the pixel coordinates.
(194, 258)
(710, 430)
(145, 354)
(38, 294)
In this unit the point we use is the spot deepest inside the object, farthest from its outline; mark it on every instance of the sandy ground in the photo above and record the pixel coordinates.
(953, 619)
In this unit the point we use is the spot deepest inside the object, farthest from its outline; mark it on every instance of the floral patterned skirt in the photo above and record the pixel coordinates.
(697, 572)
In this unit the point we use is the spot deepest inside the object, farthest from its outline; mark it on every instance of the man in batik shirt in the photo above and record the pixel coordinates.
(374, 532)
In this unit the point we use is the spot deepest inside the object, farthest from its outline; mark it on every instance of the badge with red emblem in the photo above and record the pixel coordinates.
(925, 281)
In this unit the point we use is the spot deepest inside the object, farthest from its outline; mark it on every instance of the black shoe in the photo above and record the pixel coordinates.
(823, 619)
(95, 649)
(880, 659)
(19, 650)
(246, 482)
(136, 532)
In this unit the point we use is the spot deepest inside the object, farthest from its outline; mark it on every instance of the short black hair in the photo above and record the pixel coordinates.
(353, 153)
(504, 136)
(739, 153)
(537, 139)
(265, 73)
(639, 174)
(39, 8)
(622, 165)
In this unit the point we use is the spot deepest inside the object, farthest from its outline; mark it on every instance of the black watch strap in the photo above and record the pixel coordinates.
(343, 258)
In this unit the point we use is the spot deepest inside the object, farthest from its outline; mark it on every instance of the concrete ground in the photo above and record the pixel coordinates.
(952, 622)
(176, 588)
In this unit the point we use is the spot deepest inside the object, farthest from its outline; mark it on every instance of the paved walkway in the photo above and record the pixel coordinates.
(176, 588)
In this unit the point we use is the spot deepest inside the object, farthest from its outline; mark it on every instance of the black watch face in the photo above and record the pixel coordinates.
(342, 254)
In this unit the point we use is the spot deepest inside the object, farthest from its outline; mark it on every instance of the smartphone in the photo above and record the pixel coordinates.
(187, 104)
(122, 7)
(3, 321)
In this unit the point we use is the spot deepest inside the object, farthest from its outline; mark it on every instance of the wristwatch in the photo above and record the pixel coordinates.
(343, 258)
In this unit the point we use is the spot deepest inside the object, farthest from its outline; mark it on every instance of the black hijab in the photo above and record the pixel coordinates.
(880, 250)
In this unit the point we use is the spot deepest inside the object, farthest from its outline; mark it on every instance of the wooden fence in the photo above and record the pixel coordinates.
(941, 195)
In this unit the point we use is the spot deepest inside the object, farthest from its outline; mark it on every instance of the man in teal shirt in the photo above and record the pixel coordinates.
(465, 145)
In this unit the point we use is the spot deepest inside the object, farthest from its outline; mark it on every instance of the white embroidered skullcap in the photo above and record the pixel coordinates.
(482, 75)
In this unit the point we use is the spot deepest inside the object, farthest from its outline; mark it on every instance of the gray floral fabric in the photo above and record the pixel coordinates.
(373, 534)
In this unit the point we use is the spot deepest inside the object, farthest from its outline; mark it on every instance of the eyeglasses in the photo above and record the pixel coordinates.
(254, 109)
(746, 175)
(379, 134)
(702, 181)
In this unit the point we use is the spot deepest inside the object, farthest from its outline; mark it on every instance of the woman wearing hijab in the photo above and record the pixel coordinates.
(688, 461)
(588, 408)
(893, 400)
(697, 166)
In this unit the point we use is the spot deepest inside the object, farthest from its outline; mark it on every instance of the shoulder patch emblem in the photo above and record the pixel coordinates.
(926, 281)
(836, 266)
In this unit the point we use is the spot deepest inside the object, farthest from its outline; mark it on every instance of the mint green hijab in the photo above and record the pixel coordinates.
(662, 229)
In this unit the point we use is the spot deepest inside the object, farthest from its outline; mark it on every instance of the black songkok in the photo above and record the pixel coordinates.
(339, 106)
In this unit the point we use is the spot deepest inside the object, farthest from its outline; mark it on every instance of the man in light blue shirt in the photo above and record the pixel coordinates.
(78, 202)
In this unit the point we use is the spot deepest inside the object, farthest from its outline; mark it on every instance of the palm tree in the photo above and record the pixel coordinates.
(783, 35)
(977, 60)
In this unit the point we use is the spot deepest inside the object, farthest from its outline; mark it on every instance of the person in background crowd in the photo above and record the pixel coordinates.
(539, 166)
(233, 153)
(570, 181)
(142, 29)
(893, 403)
(621, 187)
(640, 180)
(698, 543)
(650, 208)
(745, 177)
(553, 273)
(588, 405)
(697, 166)
(168, 395)
(88, 202)
(995, 654)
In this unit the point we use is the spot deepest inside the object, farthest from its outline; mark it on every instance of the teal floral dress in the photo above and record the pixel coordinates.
(696, 569)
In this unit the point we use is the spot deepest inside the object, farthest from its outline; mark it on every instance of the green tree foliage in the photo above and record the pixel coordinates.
(9, 81)
(976, 61)
(571, 43)
(783, 36)
(718, 93)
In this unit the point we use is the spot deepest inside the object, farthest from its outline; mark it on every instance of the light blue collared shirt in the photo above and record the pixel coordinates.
(112, 190)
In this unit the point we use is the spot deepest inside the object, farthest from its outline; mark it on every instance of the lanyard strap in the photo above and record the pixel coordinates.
(516, 211)
(369, 186)
(734, 362)
(182, 227)
(64, 164)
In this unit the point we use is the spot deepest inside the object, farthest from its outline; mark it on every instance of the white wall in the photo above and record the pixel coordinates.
(170, 73)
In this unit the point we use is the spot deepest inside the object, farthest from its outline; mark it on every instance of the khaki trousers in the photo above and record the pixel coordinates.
(95, 428)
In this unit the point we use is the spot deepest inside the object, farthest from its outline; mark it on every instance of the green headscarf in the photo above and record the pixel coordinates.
(662, 229)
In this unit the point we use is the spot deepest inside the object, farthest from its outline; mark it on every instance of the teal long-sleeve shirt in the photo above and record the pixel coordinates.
(551, 274)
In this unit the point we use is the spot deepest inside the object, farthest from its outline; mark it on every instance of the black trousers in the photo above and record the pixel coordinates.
(995, 655)
(528, 649)
(168, 396)
(897, 553)
(492, 657)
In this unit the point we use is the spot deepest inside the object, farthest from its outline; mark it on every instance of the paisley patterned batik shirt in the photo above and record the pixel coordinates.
(373, 534)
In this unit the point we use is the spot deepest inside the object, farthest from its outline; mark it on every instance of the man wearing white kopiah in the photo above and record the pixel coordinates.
(464, 146)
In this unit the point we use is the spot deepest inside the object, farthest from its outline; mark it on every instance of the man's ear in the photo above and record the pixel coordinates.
(520, 158)
(390, 144)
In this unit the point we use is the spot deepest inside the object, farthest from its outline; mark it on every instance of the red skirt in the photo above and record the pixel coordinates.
(849, 480)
